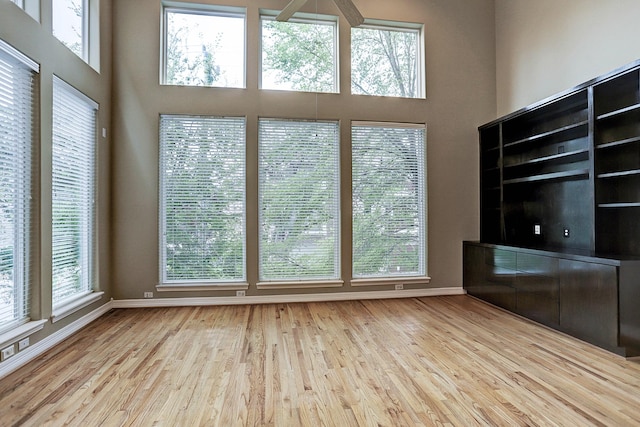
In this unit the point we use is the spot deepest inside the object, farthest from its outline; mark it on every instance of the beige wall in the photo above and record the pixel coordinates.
(547, 46)
(34, 39)
(460, 74)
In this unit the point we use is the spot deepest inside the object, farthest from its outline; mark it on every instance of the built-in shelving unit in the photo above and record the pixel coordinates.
(562, 177)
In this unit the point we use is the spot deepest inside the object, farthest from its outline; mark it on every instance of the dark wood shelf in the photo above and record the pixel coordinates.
(620, 205)
(618, 143)
(552, 158)
(549, 176)
(547, 134)
(619, 174)
(629, 109)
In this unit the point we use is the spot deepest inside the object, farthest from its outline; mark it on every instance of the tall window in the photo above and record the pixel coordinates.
(73, 182)
(299, 55)
(18, 79)
(386, 61)
(389, 200)
(71, 25)
(202, 169)
(204, 47)
(298, 200)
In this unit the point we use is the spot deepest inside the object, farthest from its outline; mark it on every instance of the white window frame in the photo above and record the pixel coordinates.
(376, 24)
(205, 10)
(305, 18)
(69, 96)
(302, 282)
(420, 276)
(23, 220)
(167, 284)
(90, 49)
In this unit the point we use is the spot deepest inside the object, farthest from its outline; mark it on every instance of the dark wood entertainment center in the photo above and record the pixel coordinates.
(560, 212)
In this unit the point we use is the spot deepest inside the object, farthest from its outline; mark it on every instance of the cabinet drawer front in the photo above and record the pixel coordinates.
(545, 286)
(537, 264)
(501, 259)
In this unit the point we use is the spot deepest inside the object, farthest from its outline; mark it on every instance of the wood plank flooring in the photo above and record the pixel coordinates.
(449, 361)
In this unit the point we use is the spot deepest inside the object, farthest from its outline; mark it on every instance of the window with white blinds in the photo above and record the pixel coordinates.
(202, 197)
(298, 200)
(73, 195)
(18, 123)
(389, 200)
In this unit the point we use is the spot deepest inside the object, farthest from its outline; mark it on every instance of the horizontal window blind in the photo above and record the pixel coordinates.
(388, 197)
(202, 193)
(298, 200)
(73, 184)
(18, 125)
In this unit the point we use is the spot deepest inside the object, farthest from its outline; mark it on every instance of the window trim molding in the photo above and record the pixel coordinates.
(199, 286)
(299, 284)
(15, 53)
(20, 332)
(75, 304)
(385, 281)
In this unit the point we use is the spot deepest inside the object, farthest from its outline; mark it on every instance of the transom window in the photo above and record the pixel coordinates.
(386, 61)
(299, 55)
(71, 25)
(204, 47)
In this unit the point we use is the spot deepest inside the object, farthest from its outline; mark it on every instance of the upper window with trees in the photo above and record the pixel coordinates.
(70, 24)
(204, 46)
(387, 61)
(299, 55)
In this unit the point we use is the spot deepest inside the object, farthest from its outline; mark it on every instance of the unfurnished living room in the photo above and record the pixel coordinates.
(319, 212)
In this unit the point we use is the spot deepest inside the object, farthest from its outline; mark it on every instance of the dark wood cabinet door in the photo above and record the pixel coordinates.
(537, 288)
(589, 301)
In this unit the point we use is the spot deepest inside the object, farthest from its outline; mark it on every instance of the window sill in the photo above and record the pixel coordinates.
(188, 287)
(386, 281)
(75, 305)
(20, 332)
(301, 285)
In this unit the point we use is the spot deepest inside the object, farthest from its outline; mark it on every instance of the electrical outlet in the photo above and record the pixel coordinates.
(566, 233)
(8, 352)
(22, 344)
(240, 293)
(537, 229)
(399, 287)
(148, 294)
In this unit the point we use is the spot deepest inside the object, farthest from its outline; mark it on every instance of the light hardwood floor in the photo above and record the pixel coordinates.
(424, 361)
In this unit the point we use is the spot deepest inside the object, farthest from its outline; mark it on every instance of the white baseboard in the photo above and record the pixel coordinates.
(30, 353)
(291, 298)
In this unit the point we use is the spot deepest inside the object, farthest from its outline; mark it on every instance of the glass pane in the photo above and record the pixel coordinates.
(68, 24)
(388, 201)
(204, 50)
(203, 198)
(299, 56)
(385, 62)
(298, 200)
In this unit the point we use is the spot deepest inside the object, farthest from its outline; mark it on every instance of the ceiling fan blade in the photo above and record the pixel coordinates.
(290, 9)
(350, 11)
